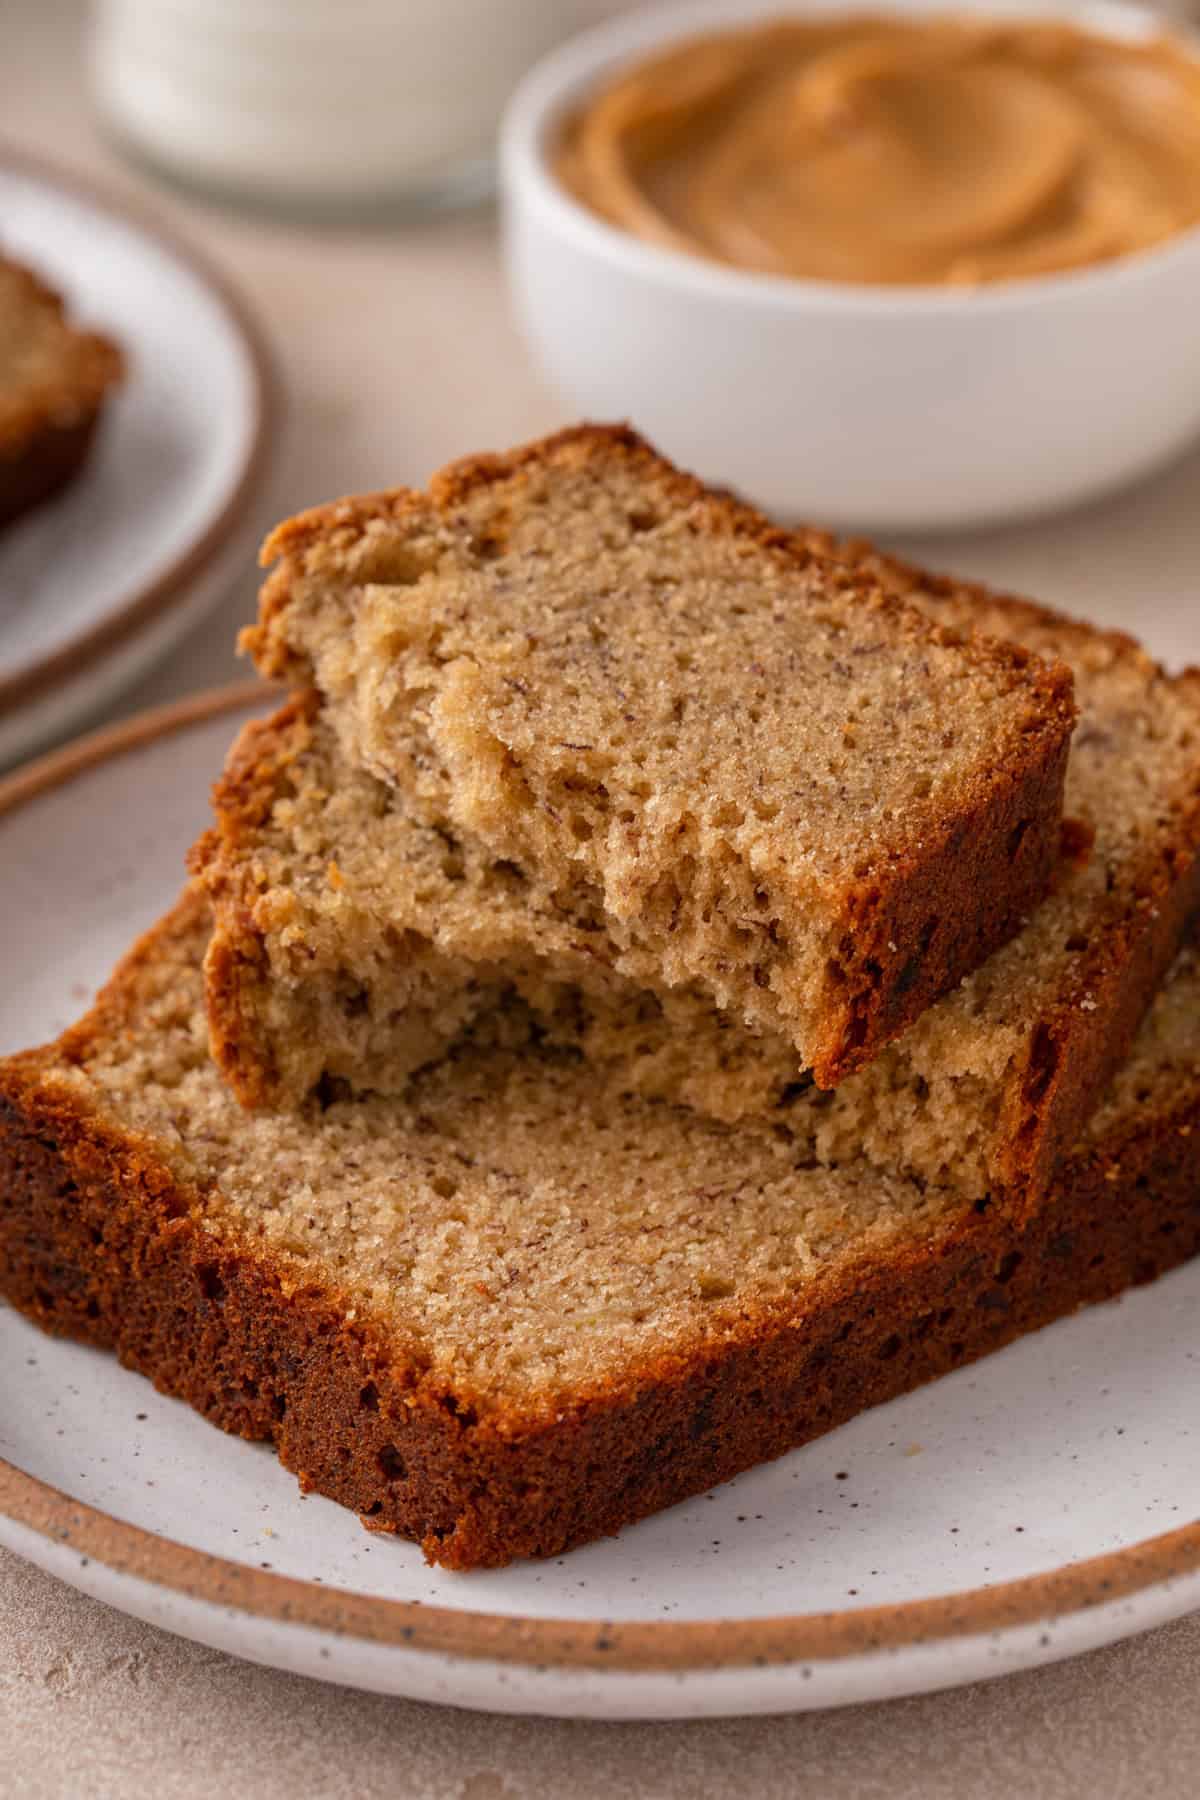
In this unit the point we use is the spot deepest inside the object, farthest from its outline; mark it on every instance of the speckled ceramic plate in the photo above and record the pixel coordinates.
(100, 583)
(1038, 1504)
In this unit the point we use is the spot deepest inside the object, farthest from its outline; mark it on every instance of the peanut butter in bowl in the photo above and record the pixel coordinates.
(929, 149)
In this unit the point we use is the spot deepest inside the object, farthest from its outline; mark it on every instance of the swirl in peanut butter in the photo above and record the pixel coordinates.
(874, 149)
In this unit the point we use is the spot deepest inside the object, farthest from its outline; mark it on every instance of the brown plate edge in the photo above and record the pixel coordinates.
(602, 1644)
(157, 596)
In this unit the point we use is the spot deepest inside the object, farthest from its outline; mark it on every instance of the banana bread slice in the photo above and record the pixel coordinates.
(776, 779)
(515, 1311)
(54, 380)
(351, 942)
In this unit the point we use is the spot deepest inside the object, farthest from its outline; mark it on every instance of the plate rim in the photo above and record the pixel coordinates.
(155, 597)
(635, 1647)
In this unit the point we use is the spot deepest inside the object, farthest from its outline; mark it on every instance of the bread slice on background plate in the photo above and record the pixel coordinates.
(518, 1311)
(762, 772)
(54, 381)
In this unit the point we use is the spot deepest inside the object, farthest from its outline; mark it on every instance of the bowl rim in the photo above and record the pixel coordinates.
(556, 81)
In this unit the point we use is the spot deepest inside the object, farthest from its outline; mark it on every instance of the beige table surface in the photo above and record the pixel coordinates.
(396, 353)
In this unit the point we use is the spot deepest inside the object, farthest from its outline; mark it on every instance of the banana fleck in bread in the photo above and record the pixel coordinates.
(54, 380)
(516, 1310)
(352, 942)
(762, 772)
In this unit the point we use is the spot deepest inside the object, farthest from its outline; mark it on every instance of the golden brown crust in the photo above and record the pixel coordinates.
(719, 512)
(1078, 1042)
(237, 965)
(975, 881)
(100, 1241)
(47, 425)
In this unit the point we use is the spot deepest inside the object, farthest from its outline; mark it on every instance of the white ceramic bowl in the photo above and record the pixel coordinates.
(904, 409)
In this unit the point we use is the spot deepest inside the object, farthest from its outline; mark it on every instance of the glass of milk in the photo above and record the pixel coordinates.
(322, 106)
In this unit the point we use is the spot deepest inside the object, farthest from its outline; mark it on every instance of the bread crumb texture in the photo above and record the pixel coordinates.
(749, 755)
(961, 1094)
(362, 977)
(527, 1233)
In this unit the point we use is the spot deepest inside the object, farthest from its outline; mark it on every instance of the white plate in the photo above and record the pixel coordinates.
(100, 583)
(1038, 1504)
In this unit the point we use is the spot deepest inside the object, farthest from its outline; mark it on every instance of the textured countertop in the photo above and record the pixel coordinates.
(94, 1704)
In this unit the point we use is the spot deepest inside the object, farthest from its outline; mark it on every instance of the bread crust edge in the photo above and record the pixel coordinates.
(100, 1241)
